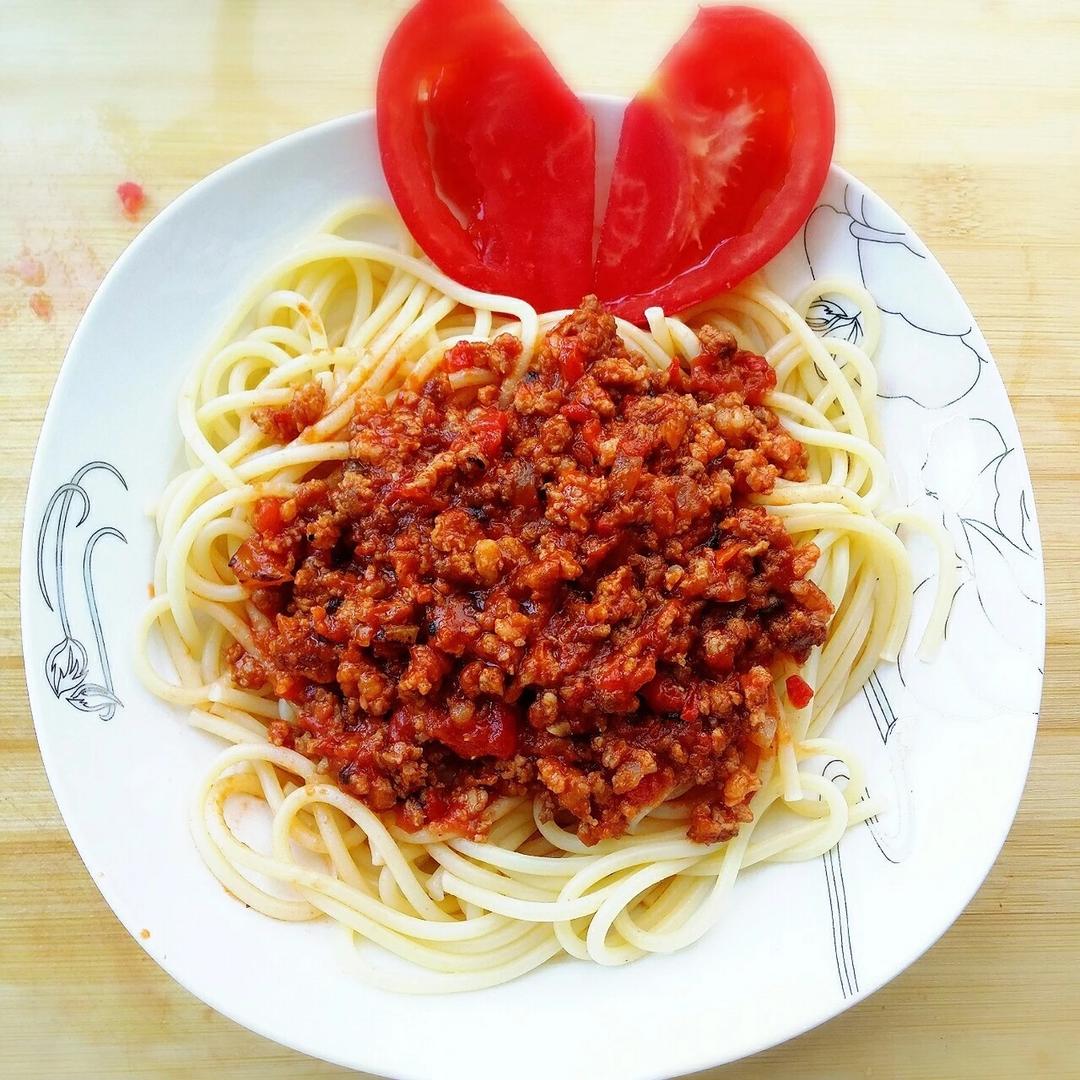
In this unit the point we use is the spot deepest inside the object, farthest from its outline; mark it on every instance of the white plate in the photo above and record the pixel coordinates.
(948, 743)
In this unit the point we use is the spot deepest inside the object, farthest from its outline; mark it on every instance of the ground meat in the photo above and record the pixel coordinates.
(248, 673)
(569, 595)
(284, 423)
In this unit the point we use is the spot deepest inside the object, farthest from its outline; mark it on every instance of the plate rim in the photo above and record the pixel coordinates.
(38, 709)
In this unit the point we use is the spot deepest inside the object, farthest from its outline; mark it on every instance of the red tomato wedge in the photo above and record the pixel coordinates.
(489, 156)
(720, 160)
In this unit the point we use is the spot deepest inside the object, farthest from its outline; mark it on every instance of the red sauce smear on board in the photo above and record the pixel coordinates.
(41, 305)
(132, 199)
(567, 595)
(28, 269)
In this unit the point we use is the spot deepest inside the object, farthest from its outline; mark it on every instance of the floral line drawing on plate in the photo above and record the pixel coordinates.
(886, 720)
(829, 318)
(888, 844)
(887, 262)
(973, 478)
(974, 482)
(860, 228)
(67, 665)
(1000, 518)
(880, 707)
(838, 901)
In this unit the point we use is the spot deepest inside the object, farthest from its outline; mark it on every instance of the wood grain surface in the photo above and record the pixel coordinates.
(965, 115)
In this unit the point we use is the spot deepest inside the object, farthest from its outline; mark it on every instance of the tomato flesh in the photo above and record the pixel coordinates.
(489, 430)
(799, 691)
(266, 516)
(665, 695)
(493, 732)
(488, 154)
(465, 355)
(719, 162)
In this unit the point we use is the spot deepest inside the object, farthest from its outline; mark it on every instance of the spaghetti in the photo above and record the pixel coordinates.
(357, 309)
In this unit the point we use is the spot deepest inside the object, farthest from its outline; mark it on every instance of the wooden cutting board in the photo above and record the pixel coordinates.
(965, 115)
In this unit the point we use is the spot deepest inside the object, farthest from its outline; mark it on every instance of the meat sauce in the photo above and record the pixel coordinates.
(567, 596)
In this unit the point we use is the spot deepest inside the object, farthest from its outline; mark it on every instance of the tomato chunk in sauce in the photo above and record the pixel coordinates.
(569, 595)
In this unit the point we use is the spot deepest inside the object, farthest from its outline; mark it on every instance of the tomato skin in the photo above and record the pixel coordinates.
(266, 516)
(590, 433)
(488, 154)
(719, 162)
(571, 360)
(465, 355)
(576, 412)
(665, 695)
(677, 379)
(489, 430)
(493, 732)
